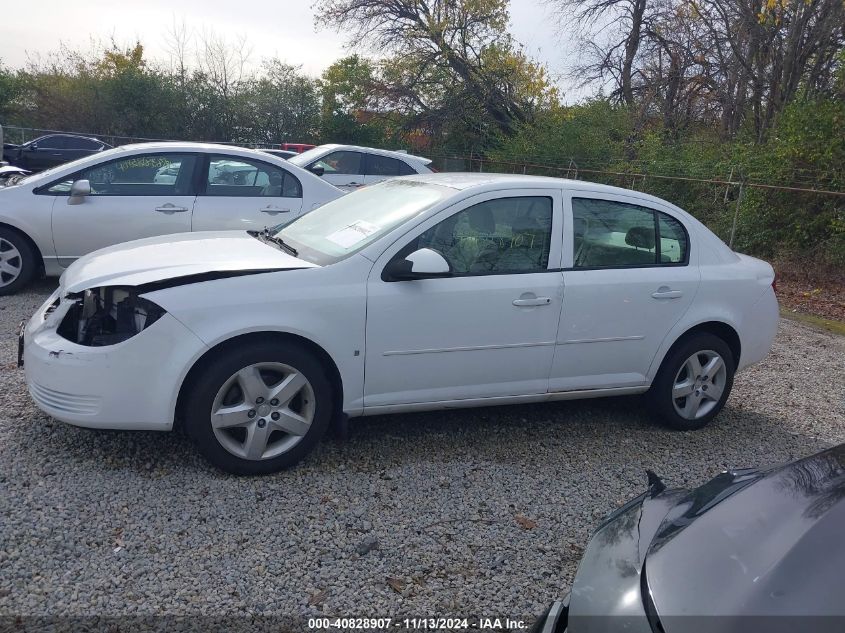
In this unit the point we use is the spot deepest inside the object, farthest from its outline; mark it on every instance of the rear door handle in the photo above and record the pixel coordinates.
(171, 208)
(274, 210)
(665, 292)
(536, 301)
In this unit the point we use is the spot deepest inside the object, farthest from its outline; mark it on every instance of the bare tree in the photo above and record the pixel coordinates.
(224, 68)
(441, 48)
(704, 60)
(222, 62)
(768, 56)
(177, 44)
(613, 32)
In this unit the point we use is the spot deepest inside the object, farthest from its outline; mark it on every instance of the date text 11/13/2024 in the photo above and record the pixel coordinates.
(418, 624)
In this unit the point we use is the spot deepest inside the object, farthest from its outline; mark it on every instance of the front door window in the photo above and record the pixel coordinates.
(507, 235)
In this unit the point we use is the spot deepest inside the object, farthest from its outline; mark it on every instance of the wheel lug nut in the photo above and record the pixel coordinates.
(259, 400)
(275, 415)
(250, 413)
(275, 402)
(262, 423)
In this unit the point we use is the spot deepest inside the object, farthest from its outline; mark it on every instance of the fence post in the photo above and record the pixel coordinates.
(736, 214)
(728, 186)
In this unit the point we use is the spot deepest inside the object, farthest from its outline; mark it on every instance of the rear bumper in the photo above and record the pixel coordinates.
(758, 329)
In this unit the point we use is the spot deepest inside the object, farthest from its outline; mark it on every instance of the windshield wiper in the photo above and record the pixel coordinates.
(267, 236)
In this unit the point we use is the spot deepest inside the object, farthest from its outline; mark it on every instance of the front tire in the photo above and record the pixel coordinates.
(693, 383)
(17, 261)
(259, 408)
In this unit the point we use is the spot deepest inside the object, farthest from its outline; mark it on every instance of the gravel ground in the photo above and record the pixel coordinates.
(472, 512)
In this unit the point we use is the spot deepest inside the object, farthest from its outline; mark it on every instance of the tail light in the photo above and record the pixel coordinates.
(775, 282)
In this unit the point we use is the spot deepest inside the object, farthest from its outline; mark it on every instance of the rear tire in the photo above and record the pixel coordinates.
(693, 383)
(18, 261)
(259, 408)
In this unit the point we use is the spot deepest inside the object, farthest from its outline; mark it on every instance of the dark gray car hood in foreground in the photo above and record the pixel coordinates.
(775, 546)
(736, 554)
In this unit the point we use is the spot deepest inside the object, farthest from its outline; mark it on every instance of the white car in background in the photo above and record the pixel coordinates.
(421, 292)
(50, 219)
(351, 167)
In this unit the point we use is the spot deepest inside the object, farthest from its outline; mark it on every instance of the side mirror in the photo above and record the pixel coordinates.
(78, 190)
(424, 263)
(317, 171)
(32, 146)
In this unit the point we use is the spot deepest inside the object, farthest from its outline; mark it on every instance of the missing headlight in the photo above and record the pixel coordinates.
(106, 316)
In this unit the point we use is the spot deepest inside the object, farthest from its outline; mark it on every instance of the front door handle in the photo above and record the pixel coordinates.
(665, 292)
(274, 210)
(536, 301)
(171, 208)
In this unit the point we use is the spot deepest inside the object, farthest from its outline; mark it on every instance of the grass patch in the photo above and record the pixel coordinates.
(829, 325)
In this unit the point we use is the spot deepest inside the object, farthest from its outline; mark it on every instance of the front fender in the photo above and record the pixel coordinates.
(326, 306)
(606, 592)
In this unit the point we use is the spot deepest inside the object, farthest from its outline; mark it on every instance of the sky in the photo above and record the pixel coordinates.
(272, 28)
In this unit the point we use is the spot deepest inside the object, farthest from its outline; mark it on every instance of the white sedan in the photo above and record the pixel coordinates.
(351, 167)
(50, 219)
(423, 292)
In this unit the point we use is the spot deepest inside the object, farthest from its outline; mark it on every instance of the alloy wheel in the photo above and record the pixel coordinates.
(263, 410)
(699, 384)
(11, 262)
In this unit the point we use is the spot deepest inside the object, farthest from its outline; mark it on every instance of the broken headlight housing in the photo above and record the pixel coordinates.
(107, 316)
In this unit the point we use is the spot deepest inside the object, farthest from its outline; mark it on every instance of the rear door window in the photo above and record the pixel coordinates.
(343, 162)
(78, 142)
(613, 234)
(239, 177)
(382, 166)
(405, 169)
(673, 240)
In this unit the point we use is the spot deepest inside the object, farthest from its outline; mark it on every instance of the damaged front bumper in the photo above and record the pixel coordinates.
(130, 385)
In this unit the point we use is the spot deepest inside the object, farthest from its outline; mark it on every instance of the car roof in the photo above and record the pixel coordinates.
(187, 146)
(333, 147)
(190, 146)
(463, 181)
(69, 135)
(114, 153)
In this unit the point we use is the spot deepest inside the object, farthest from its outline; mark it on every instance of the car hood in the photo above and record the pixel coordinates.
(752, 543)
(183, 256)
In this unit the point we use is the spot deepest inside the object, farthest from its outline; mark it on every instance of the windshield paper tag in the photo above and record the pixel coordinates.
(352, 234)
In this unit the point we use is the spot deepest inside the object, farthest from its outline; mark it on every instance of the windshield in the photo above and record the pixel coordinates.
(307, 156)
(344, 226)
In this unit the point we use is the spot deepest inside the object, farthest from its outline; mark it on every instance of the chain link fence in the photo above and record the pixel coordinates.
(723, 214)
